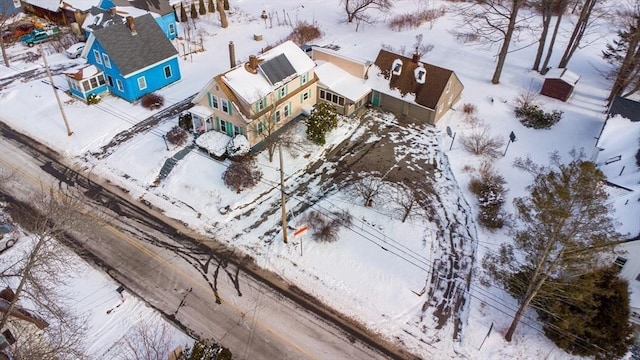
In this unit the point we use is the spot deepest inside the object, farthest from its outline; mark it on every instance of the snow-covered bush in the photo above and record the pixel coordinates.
(243, 173)
(304, 33)
(238, 146)
(177, 136)
(533, 117)
(152, 101)
(489, 189)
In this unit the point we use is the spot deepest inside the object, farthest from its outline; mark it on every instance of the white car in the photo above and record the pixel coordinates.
(74, 51)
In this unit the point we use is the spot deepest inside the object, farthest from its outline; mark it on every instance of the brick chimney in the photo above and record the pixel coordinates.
(416, 57)
(253, 63)
(232, 54)
(131, 26)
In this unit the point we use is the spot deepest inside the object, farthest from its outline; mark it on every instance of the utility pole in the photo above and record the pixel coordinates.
(55, 92)
(282, 197)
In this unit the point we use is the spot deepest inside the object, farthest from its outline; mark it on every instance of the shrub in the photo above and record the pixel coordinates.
(469, 109)
(185, 121)
(177, 136)
(533, 117)
(324, 229)
(480, 142)
(414, 20)
(489, 189)
(93, 99)
(152, 101)
(238, 146)
(304, 33)
(243, 173)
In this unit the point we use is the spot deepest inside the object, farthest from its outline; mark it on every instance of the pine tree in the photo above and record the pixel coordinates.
(212, 7)
(183, 13)
(565, 225)
(194, 11)
(592, 318)
(201, 8)
(624, 53)
(322, 120)
(226, 5)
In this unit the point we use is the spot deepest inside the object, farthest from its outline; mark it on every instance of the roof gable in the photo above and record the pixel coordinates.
(161, 7)
(400, 72)
(149, 44)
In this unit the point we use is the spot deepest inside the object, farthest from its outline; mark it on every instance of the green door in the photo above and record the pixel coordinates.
(375, 98)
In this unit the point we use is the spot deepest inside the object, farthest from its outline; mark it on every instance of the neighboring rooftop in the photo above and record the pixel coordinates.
(626, 108)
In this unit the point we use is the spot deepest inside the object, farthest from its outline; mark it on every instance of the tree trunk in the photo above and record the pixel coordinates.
(629, 64)
(578, 32)
(504, 50)
(546, 22)
(545, 65)
(26, 274)
(223, 16)
(4, 53)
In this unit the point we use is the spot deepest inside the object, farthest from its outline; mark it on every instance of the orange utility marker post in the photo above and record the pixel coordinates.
(299, 233)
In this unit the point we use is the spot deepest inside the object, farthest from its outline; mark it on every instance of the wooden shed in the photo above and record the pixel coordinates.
(559, 84)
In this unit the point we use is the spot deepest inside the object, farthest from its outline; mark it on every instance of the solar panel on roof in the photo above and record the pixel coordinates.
(277, 69)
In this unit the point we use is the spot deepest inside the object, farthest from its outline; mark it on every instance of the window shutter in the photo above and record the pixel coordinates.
(217, 123)
(230, 107)
(210, 100)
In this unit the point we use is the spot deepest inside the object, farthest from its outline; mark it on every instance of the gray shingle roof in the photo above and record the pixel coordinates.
(134, 52)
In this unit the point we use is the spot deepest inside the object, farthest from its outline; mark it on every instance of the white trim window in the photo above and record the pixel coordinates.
(226, 106)
(167, 72)
(172, 29)
(107, 61)
(119, 85)
(96, 54)
(259, 128)
(213, 101)
(287, 110)
(142, 83)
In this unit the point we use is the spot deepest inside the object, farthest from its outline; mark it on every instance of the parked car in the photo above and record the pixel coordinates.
(8, 235)
(74, 51)
(37, 36)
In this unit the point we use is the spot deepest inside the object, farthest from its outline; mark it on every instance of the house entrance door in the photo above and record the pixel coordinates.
(375, 98)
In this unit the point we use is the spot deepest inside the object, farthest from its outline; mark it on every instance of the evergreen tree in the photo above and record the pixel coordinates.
(183, 13)
(212, 7)
(322, 120)
(201, 8)
(565, 226)
(194, 11)
(624, 53)
(592, 318)
(226, 4)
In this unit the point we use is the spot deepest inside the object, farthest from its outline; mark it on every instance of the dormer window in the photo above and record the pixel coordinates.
(420, 74)
(396, 67)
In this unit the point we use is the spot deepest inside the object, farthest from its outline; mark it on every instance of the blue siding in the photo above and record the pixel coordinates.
(154, 78)
(99, 90)
(165, 23)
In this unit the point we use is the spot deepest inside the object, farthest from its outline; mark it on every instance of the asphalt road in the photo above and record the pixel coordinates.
(207, 290)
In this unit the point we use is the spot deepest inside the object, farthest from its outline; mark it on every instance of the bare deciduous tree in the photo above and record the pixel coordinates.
(492, 22)
(368, 187)
(148, 340)
(408, 202)
(547, 9)
(582, 23)
(356, 10)
(42, 265)
(624, 53)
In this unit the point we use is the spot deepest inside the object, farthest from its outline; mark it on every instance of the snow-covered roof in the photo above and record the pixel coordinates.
(51, 5)
(201, 110)
(563, 74)
(253, 86)
(619, 138)
(341, 81)
(102, 18)
(377, 82)
(82, 5)
(82, 72)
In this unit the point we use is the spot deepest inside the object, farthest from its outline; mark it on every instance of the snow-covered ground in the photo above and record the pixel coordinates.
(355, 275)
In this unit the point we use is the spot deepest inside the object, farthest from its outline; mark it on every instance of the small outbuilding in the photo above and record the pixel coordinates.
(559, 84)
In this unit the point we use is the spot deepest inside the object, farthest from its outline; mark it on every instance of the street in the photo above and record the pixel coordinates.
(209, 291)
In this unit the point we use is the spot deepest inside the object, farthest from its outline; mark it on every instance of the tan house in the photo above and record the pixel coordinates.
(412, 88)
(256, 98)
(341, 80)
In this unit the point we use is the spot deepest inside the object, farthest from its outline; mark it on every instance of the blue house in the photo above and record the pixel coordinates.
(136, 57)
(166, 15)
